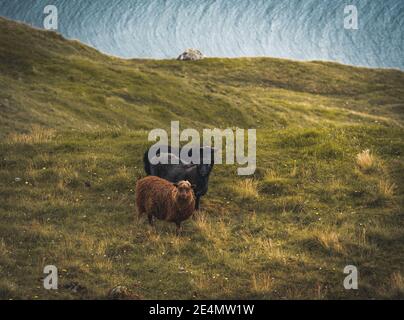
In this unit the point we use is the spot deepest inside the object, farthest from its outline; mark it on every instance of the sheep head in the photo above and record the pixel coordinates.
(184, 191)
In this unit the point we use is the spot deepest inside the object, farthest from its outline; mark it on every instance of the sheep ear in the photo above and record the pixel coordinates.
(175, 184)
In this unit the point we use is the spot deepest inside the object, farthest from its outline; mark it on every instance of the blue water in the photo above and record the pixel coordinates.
(296, 29)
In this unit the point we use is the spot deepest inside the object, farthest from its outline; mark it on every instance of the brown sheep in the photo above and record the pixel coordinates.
(172, 202)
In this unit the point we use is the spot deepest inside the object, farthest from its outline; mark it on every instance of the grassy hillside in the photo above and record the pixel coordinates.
(73, 128)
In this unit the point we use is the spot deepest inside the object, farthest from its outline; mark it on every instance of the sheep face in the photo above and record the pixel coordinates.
(185, 192)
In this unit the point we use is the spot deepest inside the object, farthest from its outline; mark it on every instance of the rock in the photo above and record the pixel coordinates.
(122, 293)
(75, 287)
(190, 55)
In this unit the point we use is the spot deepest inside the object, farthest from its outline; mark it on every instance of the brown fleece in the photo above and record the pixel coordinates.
(162, 199)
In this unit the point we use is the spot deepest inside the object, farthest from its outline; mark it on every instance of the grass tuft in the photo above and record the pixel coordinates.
(397, 284)
(247, 189)
(330, 240)
(366, 161)
(386, 189)
(37, 135)
(261, 284)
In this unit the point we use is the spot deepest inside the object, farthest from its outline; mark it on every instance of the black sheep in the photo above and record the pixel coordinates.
(197, 174)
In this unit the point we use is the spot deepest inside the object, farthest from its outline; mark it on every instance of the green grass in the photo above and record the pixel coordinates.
(73, 128)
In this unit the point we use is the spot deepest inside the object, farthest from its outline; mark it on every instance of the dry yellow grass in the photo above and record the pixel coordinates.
(271, 174)
(330, 240)
(397, 283)
(335, 184)
(67, 175)
(3, 248)
(366, 161)
(37, 135)
(261, 283)
(123, 173)
(362, 237)
(296, 204)
(202, 222)
(247, 189)
(386, 188)
(294, 170)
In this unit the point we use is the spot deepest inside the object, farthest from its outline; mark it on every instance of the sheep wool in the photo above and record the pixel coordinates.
(159, 198)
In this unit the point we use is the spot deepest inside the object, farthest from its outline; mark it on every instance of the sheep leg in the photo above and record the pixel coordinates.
(150, 218)
(140, 208)
(178, 229)
(139, 214)
(197, 202)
